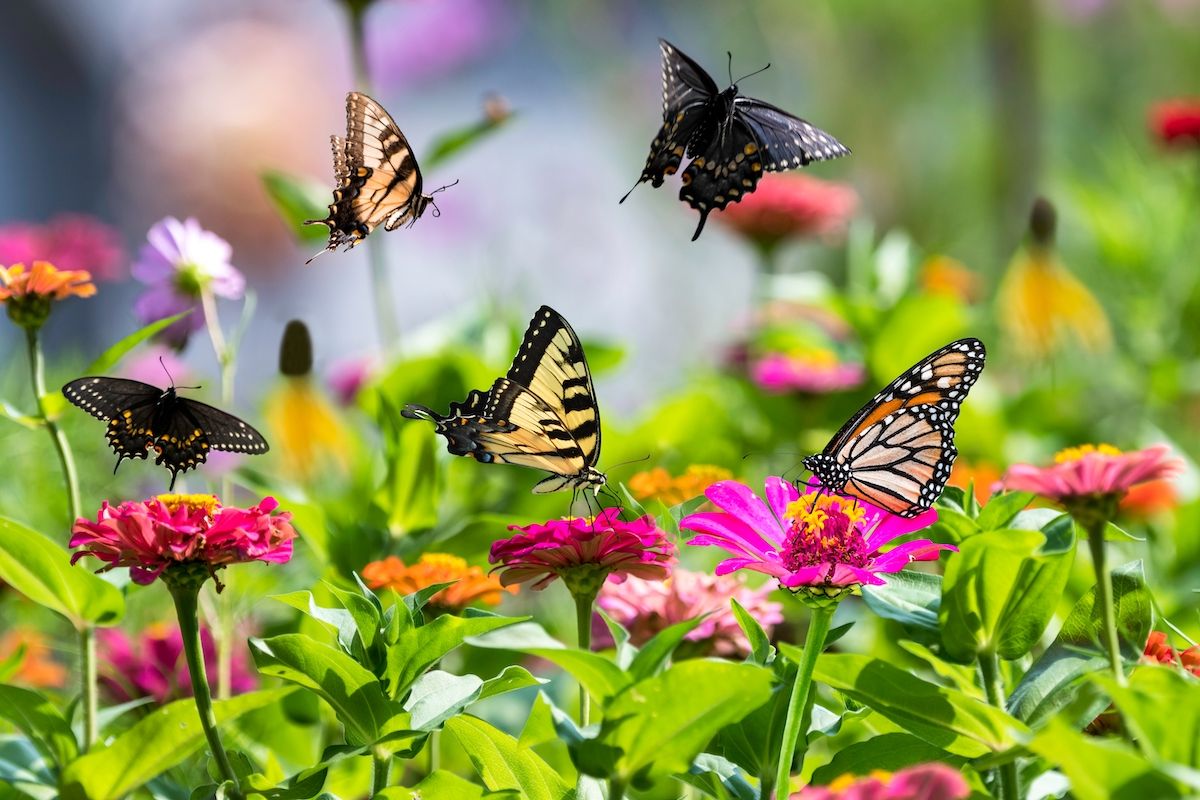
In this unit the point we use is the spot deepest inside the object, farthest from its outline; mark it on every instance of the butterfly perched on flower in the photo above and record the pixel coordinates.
(142, 417)
(379, 182)
(730, 139)
(541, 414)
(896, 451)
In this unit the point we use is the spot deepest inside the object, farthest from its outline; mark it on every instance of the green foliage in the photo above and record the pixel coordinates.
(113, 355)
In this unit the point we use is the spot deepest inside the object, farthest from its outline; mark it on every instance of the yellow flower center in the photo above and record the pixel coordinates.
(813, 512)
(445, 563)
(1077, 453)
(207, 502)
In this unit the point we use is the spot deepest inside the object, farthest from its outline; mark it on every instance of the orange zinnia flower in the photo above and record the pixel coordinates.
(29, 293)
(984, 476)
(37, 668)
(658, 484)
(473, 584)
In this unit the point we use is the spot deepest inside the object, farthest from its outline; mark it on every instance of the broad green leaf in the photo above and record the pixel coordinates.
(539, 725)
(753, 743)
(24, 770)
(916, 326)
(999, 594)
(888, 751)
(418, 649)
(1053, 682)
(654, 653)
(437, 785)
(299, 200)
(1101, 769)
(1000, 510)
(367, 618)
(113, 355)
(623, 650)
(33, 715)
(943, 717)
(355, 695)
(163, 739)
(719, 777)
(601, 677)
(761, 650)
(910, 597)
(502, 764)
(452, 142)
(410, 492)
(511, 679)
(349, 626)
(436, 696)
(42, 571)
(1161, 707)
(657, 726)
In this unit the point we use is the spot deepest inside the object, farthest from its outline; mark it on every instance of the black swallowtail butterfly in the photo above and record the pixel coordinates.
(731, 140)
(142, 417)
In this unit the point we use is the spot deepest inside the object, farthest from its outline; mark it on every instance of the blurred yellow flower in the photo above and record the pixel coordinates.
(306, 430)
(471, 583)
(658, 484)
(37, 668)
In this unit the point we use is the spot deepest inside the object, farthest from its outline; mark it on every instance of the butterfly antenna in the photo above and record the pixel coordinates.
(630, 461)
(730, 67)
(163, 364)
(752, 74)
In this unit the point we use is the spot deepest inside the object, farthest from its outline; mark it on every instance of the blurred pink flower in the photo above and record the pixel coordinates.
(820, 543)
(178, 262)
(442, 35)
(1089, 471)
(584, 552)
(70, 242)
(814, 373)
(791, 205)
(932, 781)
(646, 607)
(152, 665)
(148, 537)
(1176, 123)
(154, 363)
(20, 243)
(348, 376)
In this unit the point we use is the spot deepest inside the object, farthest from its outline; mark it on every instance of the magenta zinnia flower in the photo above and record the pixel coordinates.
(811, 373)
(74, 242)
(923, 782)
(584, 552)
(152, 665)
(1093, 471)
(177, 529)
(179, 261)
(819, 543)
(646, 607)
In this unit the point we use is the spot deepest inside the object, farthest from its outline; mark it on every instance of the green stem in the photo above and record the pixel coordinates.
(616, 788)
(186, 593)
(1007, 778)
(87, 665)
(381, 769)
(764, 276)
(814, 643)
(583, 626)
(1104, 597)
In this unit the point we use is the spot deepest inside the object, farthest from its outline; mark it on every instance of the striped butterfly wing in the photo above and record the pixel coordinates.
(379, 182)
(897, 451)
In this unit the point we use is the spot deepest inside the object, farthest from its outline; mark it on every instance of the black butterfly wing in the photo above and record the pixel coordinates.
(727, 170)
(127, 406)
(687, 92)
(786, 141)
(220, 430)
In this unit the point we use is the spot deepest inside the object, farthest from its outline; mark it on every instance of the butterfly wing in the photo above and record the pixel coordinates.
(786, 141)
(687, 91)
(897, 450)
(728, 169)
(379, 182)
(127, 406)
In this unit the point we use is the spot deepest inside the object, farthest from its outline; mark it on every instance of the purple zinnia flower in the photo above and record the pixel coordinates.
(179, 261)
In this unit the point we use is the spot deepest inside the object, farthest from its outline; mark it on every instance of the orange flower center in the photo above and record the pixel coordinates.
(192, 502)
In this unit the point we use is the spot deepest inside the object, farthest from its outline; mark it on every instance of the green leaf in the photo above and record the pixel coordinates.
(418, 649)
(718, 777)
(753, 743)
(436, 696)
(888, 751)
(24, 769)
(539, 725)
(943, 717)
(911, 598)
(1053, 682)
(113, 355)
(298, 200)
(505, 765)
(356, 696)
(998, 594)
(452, 142)
(1161, 706)
(761, 651)
(657, 726)
(1101, 769)
(655, 652)
(164, 738)
(409, 494)
(437, 785)
(601, 677)
(512, 679)
(34, 716)
(12, 413)
(41, 570)
(1001, 509)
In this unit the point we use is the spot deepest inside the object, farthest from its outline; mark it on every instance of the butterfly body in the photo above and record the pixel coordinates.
(542, 414)
(143, 418)
(379, 182)
(897, 450)
(731, 139)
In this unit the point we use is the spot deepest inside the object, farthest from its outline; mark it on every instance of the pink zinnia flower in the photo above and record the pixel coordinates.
(584, 552)
(21, 243)
(1093, 471)
(348, 376)
(923, 782)
(815, 373)
(178, 529)
(791, 205)
(819, 543)
(1177, 122)
(152, 665)
(646, 607)
(70, 241)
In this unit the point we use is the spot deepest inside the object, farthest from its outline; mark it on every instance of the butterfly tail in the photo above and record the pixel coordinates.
(700, 226)
(626, 195)
(414, 411)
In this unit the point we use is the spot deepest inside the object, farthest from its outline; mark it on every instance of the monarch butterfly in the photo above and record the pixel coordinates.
(541, 414)
(379, 182)
(896, 451)
(731, 139)
(142, 417)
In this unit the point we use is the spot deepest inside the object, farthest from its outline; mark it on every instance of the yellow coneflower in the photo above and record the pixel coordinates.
(1042, 306)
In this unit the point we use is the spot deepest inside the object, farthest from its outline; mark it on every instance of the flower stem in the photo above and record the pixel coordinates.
(1007, 778)
(87, 668)
(764, 276)
(382, 767)
(814, 643)
(1104, 597)
(616, 788)
(583, 626)
(186, 594)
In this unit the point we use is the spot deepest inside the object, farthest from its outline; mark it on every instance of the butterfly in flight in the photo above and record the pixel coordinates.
(142, 417)
(896, 451)
(541, 414)
(379, 182)
(731, 139)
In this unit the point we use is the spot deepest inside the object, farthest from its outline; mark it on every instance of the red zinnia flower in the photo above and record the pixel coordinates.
(1177, 122)
(791, 205)
(182, 529)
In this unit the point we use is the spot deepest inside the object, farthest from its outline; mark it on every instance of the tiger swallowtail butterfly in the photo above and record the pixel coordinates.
(541, 414)
(897, 451)
(379, 182)
(142, 417)
(731, 139)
